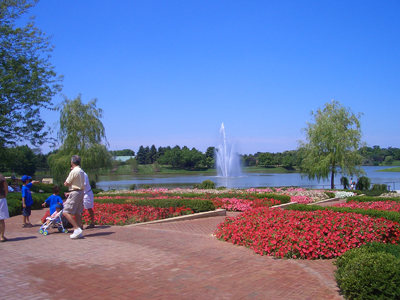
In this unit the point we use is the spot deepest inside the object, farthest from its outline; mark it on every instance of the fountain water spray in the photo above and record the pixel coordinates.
(228, 161)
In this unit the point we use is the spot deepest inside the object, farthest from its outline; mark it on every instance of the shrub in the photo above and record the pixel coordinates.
(195, 205)
(14, 202)
(345, 182)
(132, 187)
(330, 194)
(371, 199)
(363, 183)
(207, 185)
(92, 184)
(379, 187)
(146, 186)
(370, 272)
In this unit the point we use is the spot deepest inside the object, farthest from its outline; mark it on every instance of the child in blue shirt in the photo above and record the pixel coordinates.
(27, 200)
(52, 201)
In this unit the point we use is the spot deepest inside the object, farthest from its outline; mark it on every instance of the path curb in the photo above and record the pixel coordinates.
(207, 214)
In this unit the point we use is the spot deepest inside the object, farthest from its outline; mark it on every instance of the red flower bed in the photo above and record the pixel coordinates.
(234, 204)
(378, 205)
(307, 235)
(123, 214)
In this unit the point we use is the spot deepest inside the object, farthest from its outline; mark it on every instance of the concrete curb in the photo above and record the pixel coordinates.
(207, 214)
(314, 203)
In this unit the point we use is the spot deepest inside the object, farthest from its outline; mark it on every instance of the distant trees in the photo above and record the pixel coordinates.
(124, 152)
(332, 143)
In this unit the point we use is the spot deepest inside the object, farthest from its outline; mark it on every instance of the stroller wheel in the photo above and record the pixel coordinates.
(45, 232)
(65, 230)
(60, 229)
(40, 230)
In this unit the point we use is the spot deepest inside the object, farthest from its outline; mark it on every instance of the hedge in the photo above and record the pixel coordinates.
(388, 215)
(14, 202)
(195, 205)
(370, 272)
(372, 199)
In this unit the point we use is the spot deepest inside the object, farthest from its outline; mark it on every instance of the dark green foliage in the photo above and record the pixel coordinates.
(145, 186)
(370, 272)
(125, 152)
(207, 185)
(371, 199)
(379, 187)
(92, 184)
(330, 194)
(14, 202)
(282, 198)
(96, 191)
(363, 183)
(132, 187)
(345, 182)
(195, 205)
(48, 188)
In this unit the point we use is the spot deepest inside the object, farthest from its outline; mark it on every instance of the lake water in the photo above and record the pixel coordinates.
(248, 180)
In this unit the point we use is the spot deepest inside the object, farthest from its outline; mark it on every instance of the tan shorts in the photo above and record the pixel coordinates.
(74, 204)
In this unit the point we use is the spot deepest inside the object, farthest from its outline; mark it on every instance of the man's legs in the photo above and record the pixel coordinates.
(91, 214)
(2, 229)
(70, 219)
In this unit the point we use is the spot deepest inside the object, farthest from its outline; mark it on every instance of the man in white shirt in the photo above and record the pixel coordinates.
(74, 204)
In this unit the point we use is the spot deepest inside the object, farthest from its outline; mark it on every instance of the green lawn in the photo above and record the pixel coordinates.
(395, 169)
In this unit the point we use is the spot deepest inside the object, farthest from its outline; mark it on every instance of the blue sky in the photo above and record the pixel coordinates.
(170, 72)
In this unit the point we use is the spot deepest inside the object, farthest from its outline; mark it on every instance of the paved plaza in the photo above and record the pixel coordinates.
(176, 260)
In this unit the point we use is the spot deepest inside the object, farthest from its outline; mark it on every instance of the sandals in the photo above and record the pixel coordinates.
(27, 225)
(4, 240)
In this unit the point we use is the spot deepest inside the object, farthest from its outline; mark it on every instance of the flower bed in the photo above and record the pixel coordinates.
(123, 214)
(306, 235)
(231, 204)
(377, 205)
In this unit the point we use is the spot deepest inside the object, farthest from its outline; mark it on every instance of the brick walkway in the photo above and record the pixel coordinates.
(178, 260)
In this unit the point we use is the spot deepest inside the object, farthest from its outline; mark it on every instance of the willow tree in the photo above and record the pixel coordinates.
(82, 133)
(332, 143)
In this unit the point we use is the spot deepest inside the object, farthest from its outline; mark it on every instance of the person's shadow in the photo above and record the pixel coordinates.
(17, 239)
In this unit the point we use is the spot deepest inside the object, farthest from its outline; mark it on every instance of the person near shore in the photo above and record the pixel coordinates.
(3, 207)
(27, 201)
(52, 202)
(88, 201)
(74, 203)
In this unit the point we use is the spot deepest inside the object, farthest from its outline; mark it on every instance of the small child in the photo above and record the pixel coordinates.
(27, 200)
(52, 202)
(58, 207)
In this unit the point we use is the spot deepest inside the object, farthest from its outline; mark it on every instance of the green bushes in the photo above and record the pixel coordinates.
(371, 199)
(205, 185)
(14, 202)
(363, 183)
(370, 272)
(195, 205)
(379, 187)
(330, 194)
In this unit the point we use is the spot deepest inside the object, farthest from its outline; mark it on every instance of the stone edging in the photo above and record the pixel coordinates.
(314, 203)
(214, 213)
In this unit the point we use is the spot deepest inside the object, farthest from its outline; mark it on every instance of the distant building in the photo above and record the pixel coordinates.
(123, 158)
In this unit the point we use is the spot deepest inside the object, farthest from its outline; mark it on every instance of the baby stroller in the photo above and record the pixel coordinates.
(55, 219)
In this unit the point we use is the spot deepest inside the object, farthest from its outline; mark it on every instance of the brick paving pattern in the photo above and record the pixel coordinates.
(178, 260)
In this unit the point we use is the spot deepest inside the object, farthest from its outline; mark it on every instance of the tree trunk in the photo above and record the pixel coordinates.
(333, 180)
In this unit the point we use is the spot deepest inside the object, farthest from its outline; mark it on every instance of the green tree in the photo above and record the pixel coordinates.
(141, 156)
(332, 143)
(265, 159)
(82, 133)
(27, 79)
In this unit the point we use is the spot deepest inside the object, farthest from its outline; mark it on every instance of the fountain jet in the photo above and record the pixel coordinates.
(228, 161)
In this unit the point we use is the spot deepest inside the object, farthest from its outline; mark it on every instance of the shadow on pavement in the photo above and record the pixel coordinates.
(97, 234)
(17, 239)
